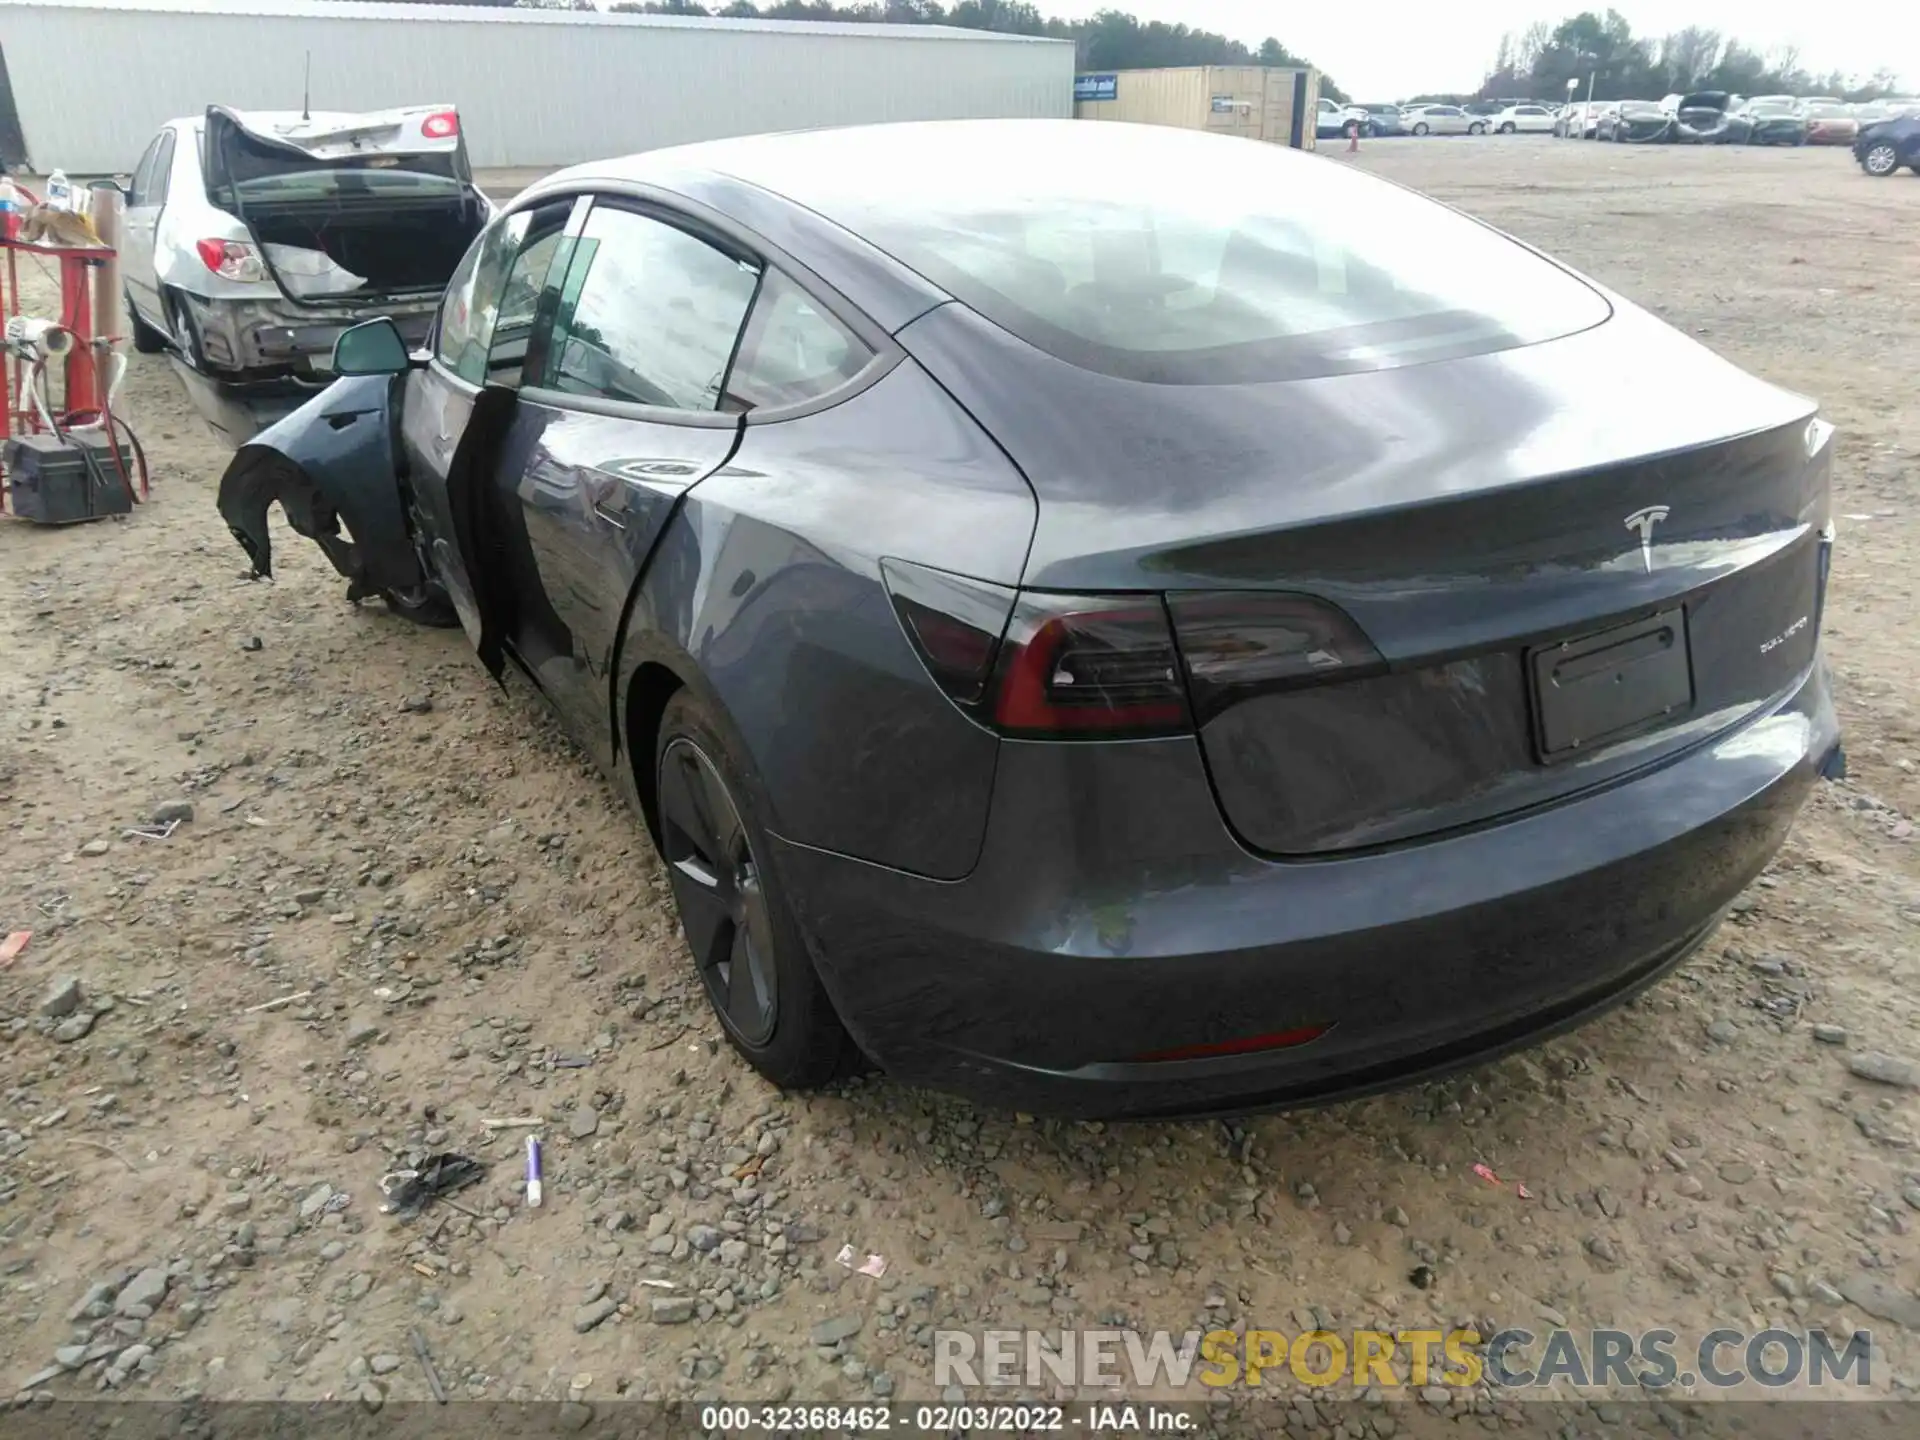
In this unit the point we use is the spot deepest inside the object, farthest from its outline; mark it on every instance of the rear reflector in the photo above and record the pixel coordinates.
(1238, 645)
(953, 622)
(442, 126)
(1246, 1045)
(1079, 666)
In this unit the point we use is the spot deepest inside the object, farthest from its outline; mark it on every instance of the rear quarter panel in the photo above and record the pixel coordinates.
(765, 596)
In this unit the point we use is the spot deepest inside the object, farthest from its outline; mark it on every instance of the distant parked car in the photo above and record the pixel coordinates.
(1767, 122)
(1334, 120)
(252, 239)
(1575, 121)
(1446, 120)
(1887, 146)
(1636, 122)
(1385, 118)
(1830, 123)
(1701, 118)
(1524, 120)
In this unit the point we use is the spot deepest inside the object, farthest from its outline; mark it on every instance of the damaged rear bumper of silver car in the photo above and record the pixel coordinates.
(271, 337)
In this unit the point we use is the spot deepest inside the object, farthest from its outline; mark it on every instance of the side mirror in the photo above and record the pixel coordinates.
(373, 347)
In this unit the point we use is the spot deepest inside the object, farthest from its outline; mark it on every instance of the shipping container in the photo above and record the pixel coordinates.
(534, 87)
(1254, 102)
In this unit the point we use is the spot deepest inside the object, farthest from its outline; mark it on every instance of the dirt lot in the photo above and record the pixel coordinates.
(468, 927)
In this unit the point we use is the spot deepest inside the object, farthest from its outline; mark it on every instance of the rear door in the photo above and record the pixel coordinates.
(145, 197)
(480, 344)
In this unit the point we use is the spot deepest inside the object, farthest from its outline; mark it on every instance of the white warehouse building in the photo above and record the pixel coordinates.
(533, 87)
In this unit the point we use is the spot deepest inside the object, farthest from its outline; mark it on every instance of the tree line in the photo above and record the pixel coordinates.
(1540, 60)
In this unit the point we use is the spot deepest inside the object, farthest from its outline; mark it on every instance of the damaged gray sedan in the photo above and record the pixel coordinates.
(1108, 619)
(252, 239)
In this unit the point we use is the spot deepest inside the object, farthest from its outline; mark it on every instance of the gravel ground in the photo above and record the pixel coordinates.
(403, 903)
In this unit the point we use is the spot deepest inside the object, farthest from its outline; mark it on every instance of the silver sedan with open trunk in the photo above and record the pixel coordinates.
(253, 238)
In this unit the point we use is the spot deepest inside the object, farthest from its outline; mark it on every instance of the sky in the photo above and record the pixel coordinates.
(1392, 49)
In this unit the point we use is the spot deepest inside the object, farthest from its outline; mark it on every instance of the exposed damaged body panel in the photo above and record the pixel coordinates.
(330, 466)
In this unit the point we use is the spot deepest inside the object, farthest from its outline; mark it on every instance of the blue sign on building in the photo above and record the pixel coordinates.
(1096, 87)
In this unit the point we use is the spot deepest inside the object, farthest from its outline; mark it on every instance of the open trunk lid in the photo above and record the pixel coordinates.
(1506, 578)
(348, 209)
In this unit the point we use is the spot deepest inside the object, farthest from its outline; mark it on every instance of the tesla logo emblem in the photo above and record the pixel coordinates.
(1644, 521)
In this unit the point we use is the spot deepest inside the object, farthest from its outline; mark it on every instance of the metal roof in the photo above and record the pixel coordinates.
(507, 15)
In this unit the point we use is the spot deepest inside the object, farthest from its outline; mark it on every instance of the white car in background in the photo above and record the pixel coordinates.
(1442, 120)
(1524, 120)
(251, 239)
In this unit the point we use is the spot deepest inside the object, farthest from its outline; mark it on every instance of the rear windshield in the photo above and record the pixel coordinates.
(1201, 260)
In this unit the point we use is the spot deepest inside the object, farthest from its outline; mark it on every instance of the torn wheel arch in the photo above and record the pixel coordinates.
(331, 467)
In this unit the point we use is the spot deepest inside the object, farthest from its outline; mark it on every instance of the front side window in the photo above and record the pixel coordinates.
(487, 316)
(649, 314)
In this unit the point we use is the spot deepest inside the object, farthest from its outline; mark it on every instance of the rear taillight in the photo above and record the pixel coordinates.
(231, 259)
(1235, 646)
(443, 125)
(1077, 666)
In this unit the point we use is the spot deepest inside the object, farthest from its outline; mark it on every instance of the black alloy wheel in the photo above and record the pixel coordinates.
(717, 884)
(752, 958)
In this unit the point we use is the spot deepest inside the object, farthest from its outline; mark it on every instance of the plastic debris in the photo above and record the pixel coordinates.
(1486, 1174)
(408, 1191)
(11, 947)
(873, 1265)
(153, 832)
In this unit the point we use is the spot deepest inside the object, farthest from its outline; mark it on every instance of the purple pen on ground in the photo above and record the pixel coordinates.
(533, 1170)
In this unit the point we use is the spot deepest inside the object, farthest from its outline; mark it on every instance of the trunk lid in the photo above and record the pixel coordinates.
(244, 146)
(1510, 531)
(348, 209)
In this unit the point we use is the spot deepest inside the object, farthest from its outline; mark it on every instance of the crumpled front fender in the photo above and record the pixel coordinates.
(330, 462)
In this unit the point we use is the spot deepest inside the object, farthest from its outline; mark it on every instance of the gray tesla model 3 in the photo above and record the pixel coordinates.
(1106, 619)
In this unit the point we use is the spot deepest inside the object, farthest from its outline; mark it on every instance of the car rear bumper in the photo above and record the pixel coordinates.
(271, 338)
(1111, 918)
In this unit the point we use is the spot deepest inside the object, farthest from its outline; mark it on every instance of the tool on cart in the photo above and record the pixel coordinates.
(72, 459)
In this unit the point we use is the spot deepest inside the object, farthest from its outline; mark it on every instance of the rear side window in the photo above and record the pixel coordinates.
(649, 314)
(793, 351)
(142, 186)
(1184, 259)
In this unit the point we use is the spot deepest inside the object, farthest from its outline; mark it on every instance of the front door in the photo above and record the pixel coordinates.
(623, 418)
(460, 408)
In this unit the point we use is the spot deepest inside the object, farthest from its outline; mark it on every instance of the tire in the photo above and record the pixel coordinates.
(747, 948)
(428, 606)
(1422, 128)
(186, 334)
(146, 339)
(1476, 129)
(1508, 128)
(1881, 159)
